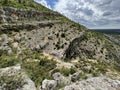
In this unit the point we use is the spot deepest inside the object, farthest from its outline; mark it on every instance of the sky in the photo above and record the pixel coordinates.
(94, 14)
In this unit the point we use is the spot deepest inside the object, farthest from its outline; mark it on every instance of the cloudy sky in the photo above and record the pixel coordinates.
(91, 13)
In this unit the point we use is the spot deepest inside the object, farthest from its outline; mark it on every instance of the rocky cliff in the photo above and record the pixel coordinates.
(38, 30)
(44, 30)
(44, 42)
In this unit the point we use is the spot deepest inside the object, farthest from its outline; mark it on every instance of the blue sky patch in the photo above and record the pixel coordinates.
(90, 13)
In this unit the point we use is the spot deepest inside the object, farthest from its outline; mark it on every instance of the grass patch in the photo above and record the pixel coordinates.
(94, 67)
(7, 60)
(38, 70)
(83, 76)
(25, 4)
(11, 82)
(65, 71)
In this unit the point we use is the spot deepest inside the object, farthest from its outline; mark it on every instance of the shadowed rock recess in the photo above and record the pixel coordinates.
(42, 50)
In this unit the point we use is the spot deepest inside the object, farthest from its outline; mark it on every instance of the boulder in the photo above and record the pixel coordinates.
(75, 76)
(48, 85)
(95, 83)
(61, 79)
(13, 78)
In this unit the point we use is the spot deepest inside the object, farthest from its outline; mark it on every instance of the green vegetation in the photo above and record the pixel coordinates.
(25, 4)
(83, 76)
(37, 70)
(116, 66)
(11, 82)
(39, 67)
(98, 35)
(117, 36)
(94, 67)
(65, 71)
(61, 85)
(71, 22)
(7, 60)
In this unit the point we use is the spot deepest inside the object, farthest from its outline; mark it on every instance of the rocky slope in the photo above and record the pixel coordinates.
(41, 40)
(37, 30)
(97, 83)
(114, 38)
(18, 78)
(93, 46)
(94, 83)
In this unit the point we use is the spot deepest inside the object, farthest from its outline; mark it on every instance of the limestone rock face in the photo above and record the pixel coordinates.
(28, 34)
(12, 78)
(92, 48)
(97, 83)
(92, 83)
(4, 41)
(60, 79)
(75, 76)
(48, 85)
(47, 32)
(33, 31)
(12, 15)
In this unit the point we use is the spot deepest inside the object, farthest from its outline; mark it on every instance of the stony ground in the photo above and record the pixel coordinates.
(43, 50)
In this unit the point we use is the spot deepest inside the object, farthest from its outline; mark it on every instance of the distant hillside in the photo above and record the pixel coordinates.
(108, 31)
(111, 34)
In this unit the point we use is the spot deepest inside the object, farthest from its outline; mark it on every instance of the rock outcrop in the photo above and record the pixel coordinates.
(48, 85)
(13, 78)
(98, 48)
(49, 35)
(45, 31)
(93, 83)
(60, 79)
(97, 83)
(13, 15)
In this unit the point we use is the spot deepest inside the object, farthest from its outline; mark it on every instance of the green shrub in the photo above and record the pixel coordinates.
(83, 76)
(11, 82)
(7, 60)
(95, 73)
(61, 85)
(48, 64)
(65, 71)
(38, 71)
(92, 67)
(116, 66)
(5, 2)
(73, 70)
(26, 4)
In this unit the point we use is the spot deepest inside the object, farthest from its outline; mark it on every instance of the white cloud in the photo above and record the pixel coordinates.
(91, 13)
(43, 2)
